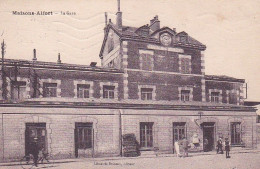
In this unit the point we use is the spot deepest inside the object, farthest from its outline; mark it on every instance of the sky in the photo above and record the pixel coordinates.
(229, 28)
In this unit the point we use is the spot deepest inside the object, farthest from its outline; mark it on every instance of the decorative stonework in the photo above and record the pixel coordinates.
(90, 83)
(215, 90)
(186, 88)
(125, 75)
(147, 86)
(203, 90)
(203, 62)
(156, 47)
(49, 80)
(109, 84)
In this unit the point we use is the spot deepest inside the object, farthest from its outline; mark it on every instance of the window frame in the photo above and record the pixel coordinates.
(236, 136)
(185, 95)
(185, 64)
(146, 135)
(180, 95)
(17, 86)
(108, 92)
(144, 55)
(146, 95)
(47, 89)
(214, 98)
(83, 88)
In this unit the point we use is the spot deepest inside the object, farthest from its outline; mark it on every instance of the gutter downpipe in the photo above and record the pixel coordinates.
(3, 136)
(120, 132)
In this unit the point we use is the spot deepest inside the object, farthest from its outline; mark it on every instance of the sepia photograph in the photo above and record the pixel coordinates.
(128, 84)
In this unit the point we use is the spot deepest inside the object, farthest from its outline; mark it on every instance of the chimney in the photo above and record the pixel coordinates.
(118, 16)
(59, 61)
(174, 29)
(34, 55)
(155, 23)
(105, 19)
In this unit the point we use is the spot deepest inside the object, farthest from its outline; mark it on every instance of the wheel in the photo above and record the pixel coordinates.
(27, 162)
(46, 160)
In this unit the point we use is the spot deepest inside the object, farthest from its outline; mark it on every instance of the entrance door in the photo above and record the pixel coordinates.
(208, 136)
(35, 130)
(179, 131)
(83, 139)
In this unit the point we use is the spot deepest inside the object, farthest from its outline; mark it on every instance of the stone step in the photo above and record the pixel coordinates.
(148, 154)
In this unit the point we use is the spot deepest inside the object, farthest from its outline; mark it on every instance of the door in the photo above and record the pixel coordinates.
(179, 130)
(208, 136)
(35, 130)
(83, 139)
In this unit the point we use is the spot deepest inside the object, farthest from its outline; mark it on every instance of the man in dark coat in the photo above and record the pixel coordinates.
(227, 148)
(34, 150)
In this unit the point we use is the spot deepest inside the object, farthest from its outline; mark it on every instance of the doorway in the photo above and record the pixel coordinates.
(35, 130)
(84, 139)
(208, 136)
(179, 131)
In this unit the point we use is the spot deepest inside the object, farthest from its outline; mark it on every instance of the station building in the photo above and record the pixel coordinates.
(151, 83)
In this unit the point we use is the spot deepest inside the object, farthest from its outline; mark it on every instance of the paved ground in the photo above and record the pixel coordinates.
(238, 160)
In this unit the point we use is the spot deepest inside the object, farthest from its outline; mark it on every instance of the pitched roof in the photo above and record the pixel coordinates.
(223, 78)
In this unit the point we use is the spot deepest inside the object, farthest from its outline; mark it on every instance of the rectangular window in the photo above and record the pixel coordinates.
(215, 97)
(146, 93)
(185, 65)
(84, 135)
(232, 98)
(179, 131)
(49, 89)
(147, 62)
(146, 134)
(18, 90)
(108, 92)
(258, 119)
(83, 90)
(235, 133)
(185, 95)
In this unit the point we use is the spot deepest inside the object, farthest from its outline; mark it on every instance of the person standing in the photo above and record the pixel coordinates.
(34, 150)
(219, 146)
(227, 148)
(185, 145)
(206, 143)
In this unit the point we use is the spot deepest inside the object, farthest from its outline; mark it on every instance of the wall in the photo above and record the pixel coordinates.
(68, 77)
(60, 125)
(163, 125)
(164, 60)
(226, 87)
(166, 84)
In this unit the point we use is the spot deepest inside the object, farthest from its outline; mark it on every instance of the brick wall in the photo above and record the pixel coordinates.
(67, 78)
(226, 88)
(166, 84)
(164, 60)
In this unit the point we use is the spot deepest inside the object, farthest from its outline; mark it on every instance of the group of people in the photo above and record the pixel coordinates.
(183, 144)
(220, 147)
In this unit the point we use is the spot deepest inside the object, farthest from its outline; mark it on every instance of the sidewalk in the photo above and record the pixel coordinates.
(122, 158)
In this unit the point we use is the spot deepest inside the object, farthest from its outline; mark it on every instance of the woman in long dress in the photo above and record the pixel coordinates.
(177, 148)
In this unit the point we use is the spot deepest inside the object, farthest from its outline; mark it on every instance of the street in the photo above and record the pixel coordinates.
(243, 160)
